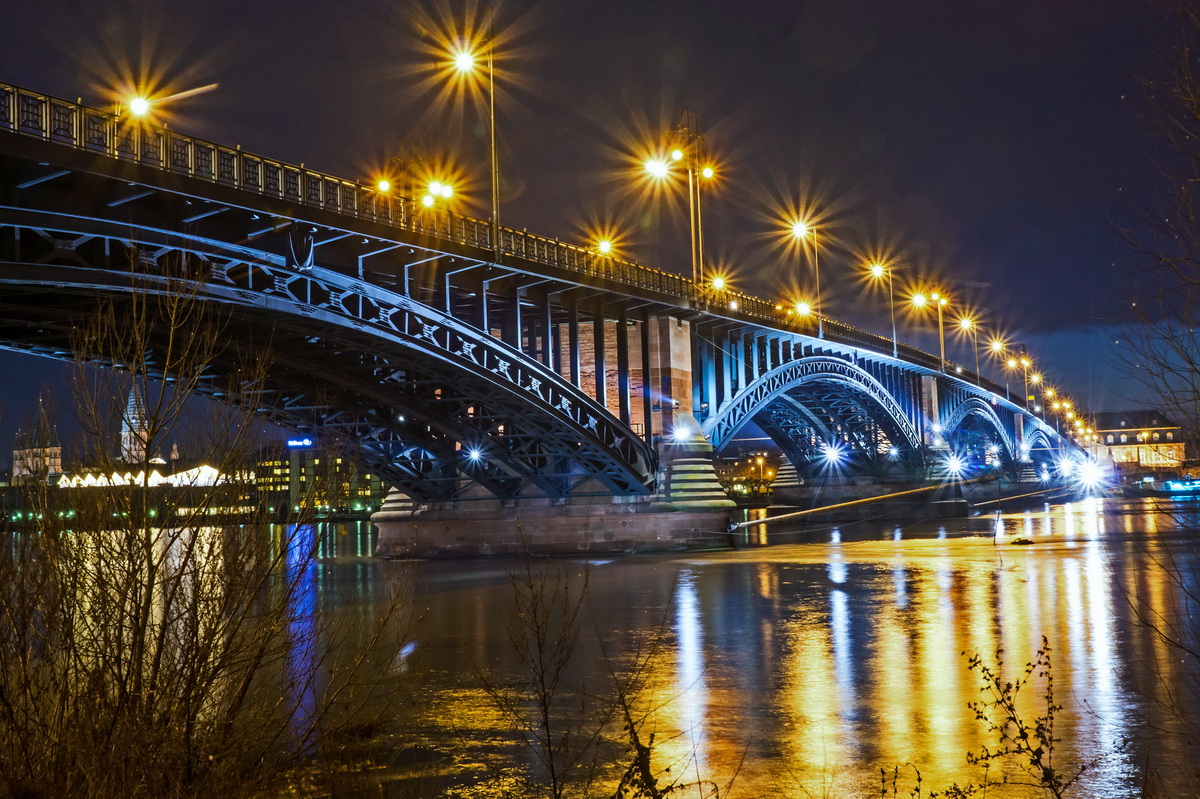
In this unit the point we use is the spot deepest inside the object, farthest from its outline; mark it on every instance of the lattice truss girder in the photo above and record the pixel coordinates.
(350, 357)
(807, 420)
(811, 402)
(968, 417)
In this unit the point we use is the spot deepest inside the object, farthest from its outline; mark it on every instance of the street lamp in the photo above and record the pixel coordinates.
(967, 325)
(1025, 364)
(138, 106)
(920, 301)
(689, 151)
(437, 190)
(878, 271)
(997, 347)
(801, 231)
(465, 61)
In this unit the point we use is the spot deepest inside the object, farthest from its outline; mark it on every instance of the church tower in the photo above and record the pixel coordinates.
(38, 454)
(134, 433)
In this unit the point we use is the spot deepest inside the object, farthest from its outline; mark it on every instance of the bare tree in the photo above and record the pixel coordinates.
(148, 645)
(1163, 354)
(560, 722)
(1162, 346)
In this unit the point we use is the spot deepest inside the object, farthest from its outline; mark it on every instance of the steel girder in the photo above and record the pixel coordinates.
(1038, 445)
(981, 409)
(816, 397)
(353, 357)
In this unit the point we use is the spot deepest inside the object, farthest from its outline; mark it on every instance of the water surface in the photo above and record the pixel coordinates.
(803, 668)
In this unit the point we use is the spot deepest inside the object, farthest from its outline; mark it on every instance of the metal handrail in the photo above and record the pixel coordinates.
(73, 124)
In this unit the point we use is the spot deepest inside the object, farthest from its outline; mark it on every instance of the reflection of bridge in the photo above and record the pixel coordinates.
(457, 365)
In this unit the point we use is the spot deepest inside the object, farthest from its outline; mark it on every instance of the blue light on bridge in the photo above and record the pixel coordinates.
(955, 465)
(833, 454)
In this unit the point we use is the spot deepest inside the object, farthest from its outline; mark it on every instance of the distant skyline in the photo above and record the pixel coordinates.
(990, 146)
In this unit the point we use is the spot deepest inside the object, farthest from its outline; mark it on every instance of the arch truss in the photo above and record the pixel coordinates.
(811, 403)
(430, 403)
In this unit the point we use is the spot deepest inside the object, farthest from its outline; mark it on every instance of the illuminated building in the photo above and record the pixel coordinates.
(37, 458)
(302, 476)
(1138, 440)
(134, 433)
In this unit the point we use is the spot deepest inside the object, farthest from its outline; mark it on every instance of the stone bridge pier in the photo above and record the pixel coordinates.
(687, 508)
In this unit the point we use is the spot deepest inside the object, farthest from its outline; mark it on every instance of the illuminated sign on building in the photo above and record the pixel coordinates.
(297, 443)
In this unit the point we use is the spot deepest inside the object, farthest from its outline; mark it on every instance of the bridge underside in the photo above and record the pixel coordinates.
(431, 406)
(821, 425)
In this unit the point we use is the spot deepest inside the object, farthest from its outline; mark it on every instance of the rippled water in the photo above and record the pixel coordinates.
(805, 667)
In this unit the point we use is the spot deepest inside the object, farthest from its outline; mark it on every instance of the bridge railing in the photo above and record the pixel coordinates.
(107, 133)
(62, 121)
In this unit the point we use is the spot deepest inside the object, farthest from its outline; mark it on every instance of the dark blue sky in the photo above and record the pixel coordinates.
(991, 145)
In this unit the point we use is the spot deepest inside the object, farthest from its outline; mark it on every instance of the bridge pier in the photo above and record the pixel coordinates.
(689, 511)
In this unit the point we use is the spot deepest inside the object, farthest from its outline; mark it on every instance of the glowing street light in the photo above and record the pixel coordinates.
(802, 231)
(920, 301)
(1024, 363)
(878, 272)
(604, 247)
(691, 153)
(968, 325)
(436, 190)
(138, 106)
(998, 347)
(466, 61)
(657, 168)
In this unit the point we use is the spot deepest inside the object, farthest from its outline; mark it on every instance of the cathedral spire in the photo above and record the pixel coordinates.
(134, 432)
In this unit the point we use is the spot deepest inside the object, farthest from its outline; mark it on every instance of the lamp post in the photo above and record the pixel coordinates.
(997, 346)
(465, 62)
(1025, 363)
(967, 324)
(920, 301)
(689, 151)
(1036, 380)
(941, 305)
(878, 271)
(801, 231)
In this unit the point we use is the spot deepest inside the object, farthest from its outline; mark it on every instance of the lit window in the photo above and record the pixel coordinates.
(1156, 436)
(1170, 436)
(1110, 438)
(1124, 438)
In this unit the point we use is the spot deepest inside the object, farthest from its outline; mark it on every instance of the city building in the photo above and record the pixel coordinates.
(37, 457)
(1139, 440)
(134, 433)
(301, 475)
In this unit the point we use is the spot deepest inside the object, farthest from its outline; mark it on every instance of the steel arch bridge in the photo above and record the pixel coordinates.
(458, 360)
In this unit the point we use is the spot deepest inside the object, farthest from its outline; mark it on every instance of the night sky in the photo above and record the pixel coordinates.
(992, 146)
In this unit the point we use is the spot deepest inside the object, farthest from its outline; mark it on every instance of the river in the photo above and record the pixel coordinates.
(804, 667)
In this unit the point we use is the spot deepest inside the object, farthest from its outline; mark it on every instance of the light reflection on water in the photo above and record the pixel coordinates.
(819, 663)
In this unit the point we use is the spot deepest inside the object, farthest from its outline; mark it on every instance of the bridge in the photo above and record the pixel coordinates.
(460, 360)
